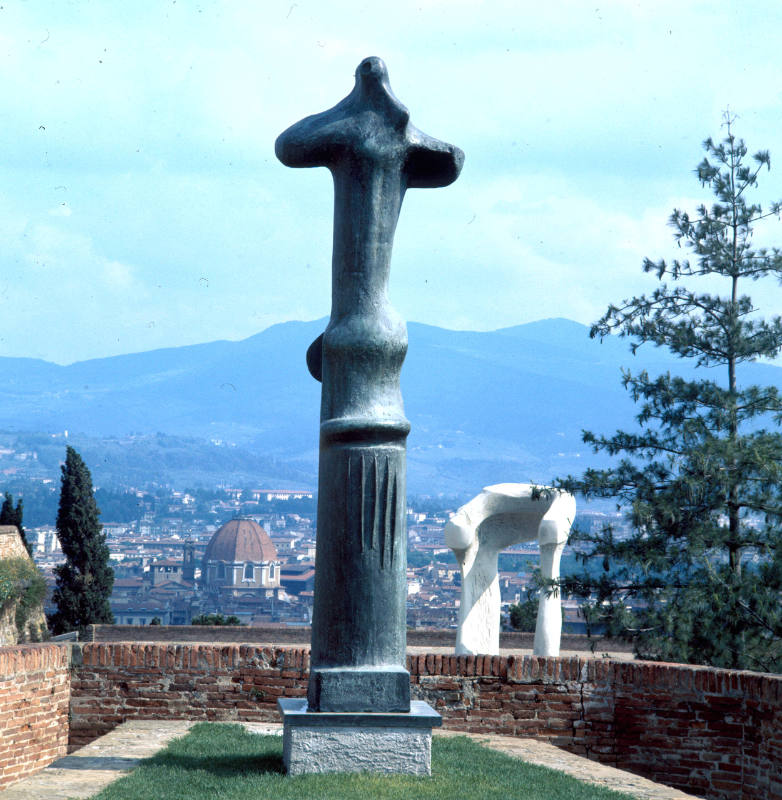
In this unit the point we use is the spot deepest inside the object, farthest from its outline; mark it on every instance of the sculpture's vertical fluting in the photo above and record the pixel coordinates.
(358, 625)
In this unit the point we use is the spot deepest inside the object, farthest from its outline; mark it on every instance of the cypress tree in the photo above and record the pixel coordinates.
(698, 578)
(13, 516)
(85, 580)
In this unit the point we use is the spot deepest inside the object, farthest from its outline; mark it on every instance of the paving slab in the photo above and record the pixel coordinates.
(89, 769)
(547, 755)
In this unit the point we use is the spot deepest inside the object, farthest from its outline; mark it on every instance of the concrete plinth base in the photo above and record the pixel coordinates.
(316, 741)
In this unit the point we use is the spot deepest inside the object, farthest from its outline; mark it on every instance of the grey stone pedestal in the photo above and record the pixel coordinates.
(318, 741)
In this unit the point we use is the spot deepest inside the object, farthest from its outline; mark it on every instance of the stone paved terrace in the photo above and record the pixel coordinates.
(86, 771)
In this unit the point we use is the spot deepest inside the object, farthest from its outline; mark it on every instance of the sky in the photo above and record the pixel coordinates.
(141, 204)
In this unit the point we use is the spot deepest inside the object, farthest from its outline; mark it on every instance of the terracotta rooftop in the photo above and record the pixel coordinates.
(121, 583)
(299, 576)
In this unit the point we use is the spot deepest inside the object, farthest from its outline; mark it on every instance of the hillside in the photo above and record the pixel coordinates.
(505, 405)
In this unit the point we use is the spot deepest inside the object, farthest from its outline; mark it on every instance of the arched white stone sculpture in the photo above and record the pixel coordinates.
(500, 516)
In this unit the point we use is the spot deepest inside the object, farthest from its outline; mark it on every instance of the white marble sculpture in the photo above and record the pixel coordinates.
(500, 516)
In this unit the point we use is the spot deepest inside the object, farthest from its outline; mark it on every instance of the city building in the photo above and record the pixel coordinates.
(241, 563)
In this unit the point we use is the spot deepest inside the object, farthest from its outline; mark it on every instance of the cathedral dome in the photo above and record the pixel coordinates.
(240, 540)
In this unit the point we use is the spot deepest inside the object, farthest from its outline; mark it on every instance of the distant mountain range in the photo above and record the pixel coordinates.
(505, 405)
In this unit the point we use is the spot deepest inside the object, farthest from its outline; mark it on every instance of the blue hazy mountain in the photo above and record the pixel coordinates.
(504, 405)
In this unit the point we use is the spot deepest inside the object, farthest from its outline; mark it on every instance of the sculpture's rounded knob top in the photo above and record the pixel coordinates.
(373, 92)
(372, 68)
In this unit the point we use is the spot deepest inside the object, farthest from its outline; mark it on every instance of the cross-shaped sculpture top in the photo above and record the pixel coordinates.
(374, 155)
(370, 124)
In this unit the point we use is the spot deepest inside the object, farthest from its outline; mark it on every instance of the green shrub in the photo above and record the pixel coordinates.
(21, 583)
(215, 619)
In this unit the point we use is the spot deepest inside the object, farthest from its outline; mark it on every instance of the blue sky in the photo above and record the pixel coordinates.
(141, 205)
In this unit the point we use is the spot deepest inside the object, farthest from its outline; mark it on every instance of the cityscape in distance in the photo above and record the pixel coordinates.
(183, 441)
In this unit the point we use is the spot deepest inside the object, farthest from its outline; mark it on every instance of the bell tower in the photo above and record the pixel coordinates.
(188, 564)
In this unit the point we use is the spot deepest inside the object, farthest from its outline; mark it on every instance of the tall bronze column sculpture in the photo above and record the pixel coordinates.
(358, 623)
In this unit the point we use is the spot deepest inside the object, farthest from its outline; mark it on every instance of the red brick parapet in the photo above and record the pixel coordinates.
(34, 700)
(716, 733)
(712, 732)
(289, 636)
(115, 682)
(707, 731)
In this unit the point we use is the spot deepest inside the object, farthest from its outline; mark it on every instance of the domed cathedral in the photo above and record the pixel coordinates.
(241, 563)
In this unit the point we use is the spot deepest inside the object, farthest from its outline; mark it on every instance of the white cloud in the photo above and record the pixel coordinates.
(137, 147)
(62, 210)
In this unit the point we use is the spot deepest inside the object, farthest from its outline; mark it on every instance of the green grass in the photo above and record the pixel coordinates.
(226, 762)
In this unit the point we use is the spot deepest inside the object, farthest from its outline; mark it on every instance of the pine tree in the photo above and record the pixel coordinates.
(85, 580)
(13, 516)
(701, 480)
(523, 616)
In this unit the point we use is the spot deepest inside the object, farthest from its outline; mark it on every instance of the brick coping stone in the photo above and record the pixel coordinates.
(94, 766)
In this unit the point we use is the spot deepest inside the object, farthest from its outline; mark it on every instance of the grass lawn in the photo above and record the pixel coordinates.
(226, 762)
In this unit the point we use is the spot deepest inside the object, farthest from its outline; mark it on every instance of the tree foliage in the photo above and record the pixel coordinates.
(699, 577)
(215, 619)
(12, 515)
(523, 616)
(23, 585)
(85, 580)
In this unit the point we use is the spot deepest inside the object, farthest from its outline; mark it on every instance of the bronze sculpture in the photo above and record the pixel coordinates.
(359, 616)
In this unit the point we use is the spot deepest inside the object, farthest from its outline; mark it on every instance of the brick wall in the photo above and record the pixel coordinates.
(34, 698)
(712, 732)
(287, 635)
(112, 683)
(717, 731)
(240, 634)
